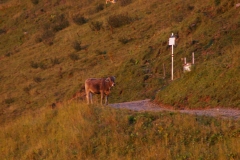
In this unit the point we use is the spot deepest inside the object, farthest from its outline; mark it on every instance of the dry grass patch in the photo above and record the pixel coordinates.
(78, 131)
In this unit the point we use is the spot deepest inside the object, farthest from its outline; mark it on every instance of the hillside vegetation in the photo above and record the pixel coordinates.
(78, 131)
(48, 49)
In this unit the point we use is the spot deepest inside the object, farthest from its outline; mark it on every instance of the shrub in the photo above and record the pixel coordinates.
(59, 22)
(96, 9)
(37, 79)
(48, 34)
(43, 65)
(125, 2)
(55, 61)
(77, 45)
(27, 89)
(38, 39)
(99, 7)
(79, 20)
(46, 26)
(34, 64)
(35, 2)
(47, 37)
(217, 2)
(96, 25)
(47, 63)
(119, 20)
(98, 52)
(3, 1)
(74, 56)
(9, 100)
(8, 54)
(124, 40)
(2, 31)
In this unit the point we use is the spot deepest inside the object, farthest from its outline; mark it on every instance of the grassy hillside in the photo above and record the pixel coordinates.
(214, 83)
(48, 49)
(78, 131)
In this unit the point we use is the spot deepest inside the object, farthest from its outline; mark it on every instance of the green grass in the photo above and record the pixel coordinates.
(40, 65)
(212, 84)
(49, 48)
(78, 131)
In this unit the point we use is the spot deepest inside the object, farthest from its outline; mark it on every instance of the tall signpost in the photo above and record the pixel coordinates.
(172, 43)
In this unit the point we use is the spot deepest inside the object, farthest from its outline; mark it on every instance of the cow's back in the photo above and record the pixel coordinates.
(93, 85)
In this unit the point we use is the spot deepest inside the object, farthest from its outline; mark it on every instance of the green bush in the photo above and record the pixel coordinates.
(27, 89)
(43, 65)
(96, 25)
(34, 64)
(125, 2)
(47, 37)
(8, 54)
(35, 2)
(124, 40)
(38, 39)
(3, 1)
(79, 20)
(217, 2)
(2, 31)
(49, 29)
(47, 63)
(59, 22)
(74, 56)
(77, 45)
(37, 79)
(98, 52)
(48, 34)
(55, 61)
(99, 7)
(96, 9)
(9, 100)
(119, 20)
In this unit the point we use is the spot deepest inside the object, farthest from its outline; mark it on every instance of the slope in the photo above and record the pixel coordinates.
(48, 49)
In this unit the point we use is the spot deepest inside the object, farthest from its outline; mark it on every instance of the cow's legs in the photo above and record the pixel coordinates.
(90, 95)
(102, 96)
(87, 97)
(106, 100)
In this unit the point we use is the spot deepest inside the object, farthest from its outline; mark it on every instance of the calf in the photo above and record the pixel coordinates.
(99, 86)
(112, 1)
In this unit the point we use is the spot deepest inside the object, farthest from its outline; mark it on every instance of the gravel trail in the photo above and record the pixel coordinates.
(147, 105)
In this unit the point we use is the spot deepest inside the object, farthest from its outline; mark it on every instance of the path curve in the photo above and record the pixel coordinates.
(147, 105)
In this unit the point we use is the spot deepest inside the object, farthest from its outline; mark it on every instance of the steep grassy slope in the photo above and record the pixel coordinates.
(48, 49)
(214, 83)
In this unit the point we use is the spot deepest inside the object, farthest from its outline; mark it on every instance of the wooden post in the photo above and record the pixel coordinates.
(193, 58)
(172, 63)
(171, 43)
(164, 72)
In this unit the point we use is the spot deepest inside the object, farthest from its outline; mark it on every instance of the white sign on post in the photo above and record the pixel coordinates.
(172, 43)
(172, 40)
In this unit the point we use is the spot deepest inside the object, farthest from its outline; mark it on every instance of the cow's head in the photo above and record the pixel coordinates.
(111, 81)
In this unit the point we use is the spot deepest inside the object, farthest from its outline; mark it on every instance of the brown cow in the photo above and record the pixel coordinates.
(111, 1)
(99, 86)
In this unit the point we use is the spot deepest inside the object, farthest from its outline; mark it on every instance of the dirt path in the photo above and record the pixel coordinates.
(147, 105)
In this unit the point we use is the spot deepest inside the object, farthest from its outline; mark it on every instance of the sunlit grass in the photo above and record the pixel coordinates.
(35, 74)
(210, 84)
(78, 131)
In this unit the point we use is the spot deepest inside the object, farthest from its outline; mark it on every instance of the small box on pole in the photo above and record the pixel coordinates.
(172, 43)
(172, 40)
